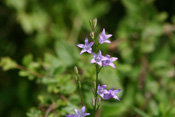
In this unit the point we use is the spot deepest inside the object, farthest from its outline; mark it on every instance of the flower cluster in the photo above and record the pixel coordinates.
(78, 113)
(102, 61)
(98, 58)
(105, 94)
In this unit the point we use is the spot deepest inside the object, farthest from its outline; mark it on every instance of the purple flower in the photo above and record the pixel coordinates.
(101, 90)
(103, 37)
(82, 113)
(109, 61)
(98, 58)
(111, 94)
(86, 47)
(73, 115)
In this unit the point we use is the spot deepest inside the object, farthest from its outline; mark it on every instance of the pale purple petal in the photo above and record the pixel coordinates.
(108, 36)
(86, 114)
(76, 111)
(101, 39)
(86, 41)
(93, 61)
(94, 55)
(99, 53)
(116, 91)
(104, 86)
(83, 109)
(115, 97)
(103, 32)
(100, 63)
(113, 59)
(91, 43)
(80, 45)
(82, 51)
(90, 50)
(104, 58)
(112, 65)
(108, 56)
(107, 41)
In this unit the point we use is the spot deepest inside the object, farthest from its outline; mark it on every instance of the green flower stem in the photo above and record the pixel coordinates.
(79, 88)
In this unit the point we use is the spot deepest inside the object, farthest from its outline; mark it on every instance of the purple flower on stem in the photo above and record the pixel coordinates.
(98, 58)
(82, 113)
(86, 47)
(112, 94)
(109, 61)
(101, 90)
(103, 37)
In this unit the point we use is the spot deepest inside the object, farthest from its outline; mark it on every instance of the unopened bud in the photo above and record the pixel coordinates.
(93, 101)
(98, 101)
(93, 23)
(76, 69)
(92, 35)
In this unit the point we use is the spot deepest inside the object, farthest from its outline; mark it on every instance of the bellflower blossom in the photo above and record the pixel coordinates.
(79, 114)
(112, 94)
(101, 90)
(86, 47)
(109, 61)
(103, 37)
(98, 58)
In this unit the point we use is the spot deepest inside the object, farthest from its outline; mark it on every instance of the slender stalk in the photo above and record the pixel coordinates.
(79, 88)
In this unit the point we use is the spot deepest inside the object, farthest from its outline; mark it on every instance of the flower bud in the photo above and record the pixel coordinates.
(93, 101)
(93, 23)
(76, 69)
(98, 101)
(92, 35)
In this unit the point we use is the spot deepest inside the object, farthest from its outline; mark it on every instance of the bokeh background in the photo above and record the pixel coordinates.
(38, 53)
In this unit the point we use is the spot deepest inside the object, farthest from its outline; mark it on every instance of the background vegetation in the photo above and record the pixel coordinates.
(38, 53)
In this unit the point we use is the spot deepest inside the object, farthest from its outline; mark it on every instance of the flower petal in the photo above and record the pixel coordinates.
(116, 91)
(103, 32)
(91, 43)
(86, 114)
(113, 59)
(83, 109)
(101, 40)
(80, 45)
(99, 53)
(108, 36)
(104, 58)
(104, 86)
(115, 97)
(112, 65)
(76, 111)
(86, 41)
(100, 63)
(107, 41)
(93, 61)
(108, 56)
(90, 50)
(82, 51)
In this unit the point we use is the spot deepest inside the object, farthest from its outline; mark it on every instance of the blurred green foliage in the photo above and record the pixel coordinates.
(38, 41)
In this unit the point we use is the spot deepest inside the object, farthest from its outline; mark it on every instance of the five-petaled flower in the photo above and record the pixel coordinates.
(103, 37)
(111, 94)
(78, 113)
(101, 90)
(109, 61)
(86, 47)
(98, 58)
